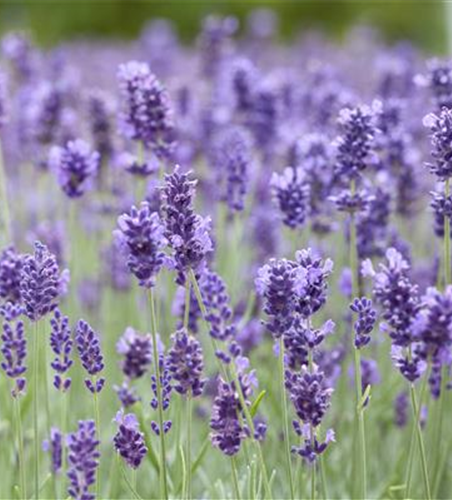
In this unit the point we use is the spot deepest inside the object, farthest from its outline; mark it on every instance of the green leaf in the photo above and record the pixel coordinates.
(257, 402)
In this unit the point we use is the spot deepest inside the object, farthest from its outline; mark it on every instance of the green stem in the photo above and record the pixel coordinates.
(235, 480)
(128, 482)
(20, 446)
(413, 438)
(35, 406)
(97, 417)
(189, 419)
(285, 417)
(313, 479)
(354, 267)
(163, 478)
(420, 442)
(323, 479)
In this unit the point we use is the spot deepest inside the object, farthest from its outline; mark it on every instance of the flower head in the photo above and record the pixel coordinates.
(61, 344)
(55, 445)
(88, 347)
(10, 272)
(440, 126)
(14, 350)
(129, 441)
(83, 459)
(137, 352)
(142, 234)
(75, 166)
(365, 321)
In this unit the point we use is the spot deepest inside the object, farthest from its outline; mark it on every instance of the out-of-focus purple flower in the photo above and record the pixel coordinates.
(291, 193)
(227, 432)
(439, 80)
(185, 362)
(137, 352)
(411, 367)
(3, 99)
(354, 145)
(129, 441)
(250, 335)
(18, 51)
(137, 167)
(83, 459)
(14, 350)
(88, 347)
(89, 293)
(365, 321)
(142, 234)
(147, 114)
(265, 232)
(232, 153)
(53, 235)
(345, 282)
(61, 344)
(194, 312)
(100, 110)
(401, 409)
(39, 282)
(10, 272)
(346, 201)
(264, 116)
(216, 301)
(440, 127)
(243, 80)
(75, 167)
(126, 394)
(55, 445)
(187, 232)
(215, 42)
(115, 261)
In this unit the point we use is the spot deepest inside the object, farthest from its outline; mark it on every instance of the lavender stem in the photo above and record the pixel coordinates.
(20, 445)
(163, 479)
(285, 417)
(35, 406)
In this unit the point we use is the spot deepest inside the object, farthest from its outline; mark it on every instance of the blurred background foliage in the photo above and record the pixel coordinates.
(52, 21)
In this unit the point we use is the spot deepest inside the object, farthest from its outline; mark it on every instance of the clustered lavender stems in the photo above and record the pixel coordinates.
(238, 386)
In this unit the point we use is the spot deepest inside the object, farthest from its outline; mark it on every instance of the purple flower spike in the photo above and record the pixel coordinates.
(61, 344)
(309, 395)
(142, 234)
(147, 114)
(440, 126)
(188, 233)
(10, 269)
(227, 432)
(14, 350)
(365, 322)
(354, 145)
(216, 301)
(312, 447)
(137, 352)
(129, 441)
(291, 194)
(83, 458)
(39, 282)
(75, 166)
(185, 362)
(88, 347)
(126, 394)
(55, 446)
(401, 409)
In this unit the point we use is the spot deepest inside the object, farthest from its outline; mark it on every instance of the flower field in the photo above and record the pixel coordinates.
(225, 266)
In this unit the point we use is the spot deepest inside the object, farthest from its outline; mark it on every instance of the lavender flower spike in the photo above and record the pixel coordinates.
(75, 167)
(88, 347)
(129, 441)
(142, 234)
(39, 282)
(14, 350)
(185, 363)
(365, 321)
(61, 344)
(83, 459)
(188, 233)
(55, 445)
(137, 352)
(440, 126)
(10, 268)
